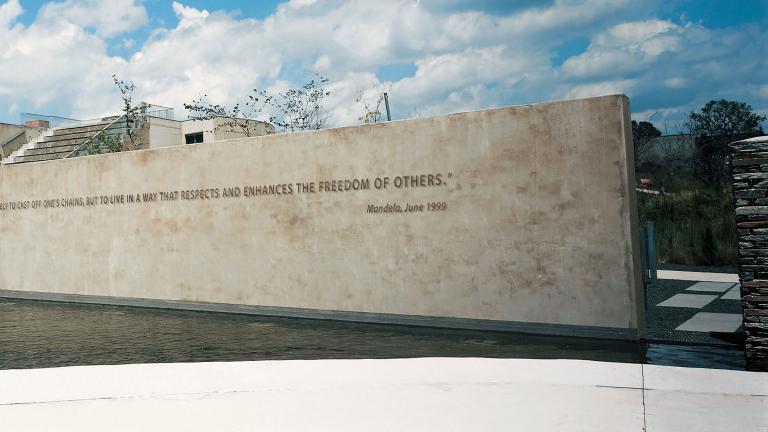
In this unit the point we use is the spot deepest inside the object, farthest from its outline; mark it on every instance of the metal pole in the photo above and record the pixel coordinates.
(644, 255)
(386, 104)
(651, 251)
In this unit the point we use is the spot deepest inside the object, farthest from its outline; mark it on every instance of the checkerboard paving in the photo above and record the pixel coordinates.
(699, 308)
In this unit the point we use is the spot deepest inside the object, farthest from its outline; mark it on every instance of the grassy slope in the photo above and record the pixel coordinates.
(694, 226)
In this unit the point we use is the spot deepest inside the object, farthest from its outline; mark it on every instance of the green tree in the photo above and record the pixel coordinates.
(725, 118)
(296, 109)
(372, 110)
(714, 127)
(643, 134)
(133, 115)
(102, 144)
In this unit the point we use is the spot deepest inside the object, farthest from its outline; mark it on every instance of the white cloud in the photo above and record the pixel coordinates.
(323, 64)
(9, 11)
(671, 68)
(624, 48)
(189, 16)
(602, 88)
(676, 82)
(438, 76)
(463, 58)
(48, 62)
(763, 91)
(655, 114)
(106, 17)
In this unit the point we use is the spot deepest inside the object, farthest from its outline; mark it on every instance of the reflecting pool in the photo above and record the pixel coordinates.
(38, 334)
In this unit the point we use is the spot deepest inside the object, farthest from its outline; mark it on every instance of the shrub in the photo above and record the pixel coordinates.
(694, 227)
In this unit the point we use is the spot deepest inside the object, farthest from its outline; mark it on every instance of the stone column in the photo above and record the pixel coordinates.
(750, 188)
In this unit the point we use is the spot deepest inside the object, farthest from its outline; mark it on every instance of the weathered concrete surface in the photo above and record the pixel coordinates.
(442, 394)
(163, 132)
(539, 224)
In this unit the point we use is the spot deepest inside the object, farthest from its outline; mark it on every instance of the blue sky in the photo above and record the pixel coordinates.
(432, 56)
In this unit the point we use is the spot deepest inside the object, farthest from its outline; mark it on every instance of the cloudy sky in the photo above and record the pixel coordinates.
(433, 56)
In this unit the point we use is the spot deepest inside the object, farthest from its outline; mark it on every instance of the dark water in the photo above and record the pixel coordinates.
(35, 334)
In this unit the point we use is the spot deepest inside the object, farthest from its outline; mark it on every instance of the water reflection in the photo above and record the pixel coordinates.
(35, 334)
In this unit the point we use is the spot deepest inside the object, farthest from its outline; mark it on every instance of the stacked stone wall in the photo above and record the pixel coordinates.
(750, 188)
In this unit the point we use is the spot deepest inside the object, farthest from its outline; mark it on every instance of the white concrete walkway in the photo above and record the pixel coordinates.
(698, 276)
(384, 395)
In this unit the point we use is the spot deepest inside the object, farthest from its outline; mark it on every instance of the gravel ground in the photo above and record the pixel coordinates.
(661, 321)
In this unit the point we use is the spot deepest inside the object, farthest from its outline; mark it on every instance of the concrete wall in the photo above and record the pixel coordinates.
(164, 132)
(10, 140)
(11, 144)
(217, 129)
(194, 126)
(524, 215)
(8, 131)
(223, 131)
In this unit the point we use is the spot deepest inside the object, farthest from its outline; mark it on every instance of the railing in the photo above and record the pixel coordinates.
(114, 128)
(56, 121)
(159, 111)
(53, 121)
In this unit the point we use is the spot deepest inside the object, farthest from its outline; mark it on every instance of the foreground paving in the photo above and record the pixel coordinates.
(698, 276)
(399, 394)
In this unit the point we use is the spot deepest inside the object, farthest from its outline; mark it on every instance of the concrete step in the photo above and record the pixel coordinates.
(40, 157)
(63, 142)
(51, 142)
(51, 149)
(80, 136)
(77, 132)
(93, 127)
(60, 137)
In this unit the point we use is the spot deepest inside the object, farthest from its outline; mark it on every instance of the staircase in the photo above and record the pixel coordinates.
(60, 142)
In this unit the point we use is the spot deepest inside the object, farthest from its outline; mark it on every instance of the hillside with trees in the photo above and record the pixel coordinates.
(693, 207)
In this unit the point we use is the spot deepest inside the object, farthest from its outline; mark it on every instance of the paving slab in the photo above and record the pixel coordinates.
(698, 276)
(717, 287)
(732, 294)
(712, 322)
(381, 395)
(682, 399)
(696, 301)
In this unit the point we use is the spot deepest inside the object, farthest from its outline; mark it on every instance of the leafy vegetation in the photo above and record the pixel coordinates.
(694, 227)
(694, 214)
(103, 144)
(643, 134)
(296, 109)
(133, 115)
(372, 110)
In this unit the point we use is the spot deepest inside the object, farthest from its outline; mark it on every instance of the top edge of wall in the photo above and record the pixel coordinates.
(370, 125)
(416, 119)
